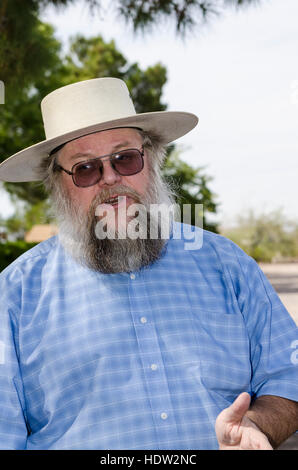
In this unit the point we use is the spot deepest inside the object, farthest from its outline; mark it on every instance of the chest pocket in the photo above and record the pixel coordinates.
(224, 352)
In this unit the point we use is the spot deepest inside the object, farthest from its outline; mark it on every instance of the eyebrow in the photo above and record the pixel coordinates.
(92, 155)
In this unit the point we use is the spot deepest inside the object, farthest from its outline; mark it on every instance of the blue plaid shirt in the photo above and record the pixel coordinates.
(143, 360)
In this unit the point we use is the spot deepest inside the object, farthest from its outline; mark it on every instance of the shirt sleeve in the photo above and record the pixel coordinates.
(273, 335)
(13, 429)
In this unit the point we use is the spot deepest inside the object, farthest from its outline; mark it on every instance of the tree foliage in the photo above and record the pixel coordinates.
(266, 237)
(186, 14)
(25, 43)
(191, 187)
(11, 250)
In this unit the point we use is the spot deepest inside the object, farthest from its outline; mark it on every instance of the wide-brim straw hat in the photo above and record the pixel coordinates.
(86, 107)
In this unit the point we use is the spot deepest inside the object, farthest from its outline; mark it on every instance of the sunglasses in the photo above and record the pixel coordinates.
(89, 172)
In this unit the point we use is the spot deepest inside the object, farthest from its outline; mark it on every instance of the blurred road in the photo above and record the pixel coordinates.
(284, 278)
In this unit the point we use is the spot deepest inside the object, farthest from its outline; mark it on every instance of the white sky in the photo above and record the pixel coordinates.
(239, 74)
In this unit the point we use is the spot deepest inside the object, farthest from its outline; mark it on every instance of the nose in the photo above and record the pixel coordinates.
(109, 175)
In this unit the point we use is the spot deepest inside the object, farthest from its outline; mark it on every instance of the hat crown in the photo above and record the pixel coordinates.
(84, 104)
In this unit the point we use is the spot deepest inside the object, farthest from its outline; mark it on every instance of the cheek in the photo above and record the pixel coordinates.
(137, 184)
(140, 181)
(85, 197)
(80, 196)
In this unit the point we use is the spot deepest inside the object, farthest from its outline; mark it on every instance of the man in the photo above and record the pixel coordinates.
(112, 338)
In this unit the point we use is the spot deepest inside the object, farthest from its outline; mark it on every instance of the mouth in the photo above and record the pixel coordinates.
(117, 200)
(115, 206)
(113, 200)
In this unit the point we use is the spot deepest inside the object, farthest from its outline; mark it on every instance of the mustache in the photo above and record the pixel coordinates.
(106, 193)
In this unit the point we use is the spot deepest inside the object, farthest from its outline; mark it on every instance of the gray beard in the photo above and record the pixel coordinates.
(77, 231)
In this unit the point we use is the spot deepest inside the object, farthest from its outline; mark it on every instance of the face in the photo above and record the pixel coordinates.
(96, 145)
(76, 208)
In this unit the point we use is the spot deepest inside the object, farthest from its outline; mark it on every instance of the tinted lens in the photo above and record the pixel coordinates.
(128, 162)
(87, 173)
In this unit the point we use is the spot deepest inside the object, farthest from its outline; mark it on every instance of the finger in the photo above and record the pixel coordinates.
(235, 412)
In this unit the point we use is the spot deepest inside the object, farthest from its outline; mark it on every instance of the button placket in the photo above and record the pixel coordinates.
(150, 356)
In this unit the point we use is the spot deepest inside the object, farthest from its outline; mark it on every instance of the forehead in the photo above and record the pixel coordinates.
(103, 142)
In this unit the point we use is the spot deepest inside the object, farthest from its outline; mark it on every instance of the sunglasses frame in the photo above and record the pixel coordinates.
(110, 157)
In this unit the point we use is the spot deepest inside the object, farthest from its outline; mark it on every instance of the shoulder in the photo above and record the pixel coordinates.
(200, 243)
(214, 254)
(225, 249)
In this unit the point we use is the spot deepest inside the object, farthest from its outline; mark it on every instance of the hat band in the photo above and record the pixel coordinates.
(56, 149)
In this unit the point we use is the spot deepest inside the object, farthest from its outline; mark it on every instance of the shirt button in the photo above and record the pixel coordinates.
(153, 366)
(143, 320)
(132, 276)
(163, 415)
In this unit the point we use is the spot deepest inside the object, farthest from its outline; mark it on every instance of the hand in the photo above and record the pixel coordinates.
(235, 431)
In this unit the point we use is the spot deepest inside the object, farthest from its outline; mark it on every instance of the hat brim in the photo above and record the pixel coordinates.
(168, 125)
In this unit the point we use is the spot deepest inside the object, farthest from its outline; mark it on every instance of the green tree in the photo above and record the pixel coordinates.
(25, 45)
(266, 236)
(191, 187)
(25, 216)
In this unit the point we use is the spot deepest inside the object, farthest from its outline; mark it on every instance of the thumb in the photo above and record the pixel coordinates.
(236, 411)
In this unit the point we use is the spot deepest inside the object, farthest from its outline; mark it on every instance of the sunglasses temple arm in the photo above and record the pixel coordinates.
(59, 167)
